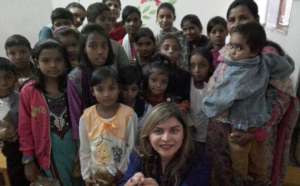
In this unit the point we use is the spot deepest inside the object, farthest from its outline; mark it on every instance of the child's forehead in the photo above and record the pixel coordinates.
(104, 13)
(155, 71)
(165, 10)
(130, 85)
(113, 1)
(219, 26)
(17, 47)
(237, 37)
(170, 42)
(133, 15)
(198, 58)
(67, 37)
(96, 36)
(106, 82)
(6, 72)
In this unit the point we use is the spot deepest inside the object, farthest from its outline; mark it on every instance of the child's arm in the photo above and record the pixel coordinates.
(281, 67)
(24, 127)
(84, 151)
(232, 88)
(74, 101)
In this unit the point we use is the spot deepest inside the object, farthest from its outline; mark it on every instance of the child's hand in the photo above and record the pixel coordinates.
(150, 182)
(138, 179)
(240, 137)
(184, 106)
(32, 171)
(3, 129)
(7, 131)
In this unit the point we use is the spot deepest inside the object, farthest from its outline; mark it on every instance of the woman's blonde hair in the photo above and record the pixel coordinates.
(151, 160)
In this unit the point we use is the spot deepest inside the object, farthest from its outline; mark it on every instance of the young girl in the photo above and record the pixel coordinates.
(145, 45)
(9, 123)
(46, 135)
(95, 51)
(201, 69)
(107, 132)
(69, 37)
(18, 51)
(118, 31)
(157, 81)
(192, 30)
(79, 13)
(165, 17)
(130, 81)
(217, 32)
(131, 17)
(170, 47)
(166, 154)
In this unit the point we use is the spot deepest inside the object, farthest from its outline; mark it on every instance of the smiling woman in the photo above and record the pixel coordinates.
(167, 155)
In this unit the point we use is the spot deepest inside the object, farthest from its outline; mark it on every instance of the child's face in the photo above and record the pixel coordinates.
(78, 15)
(7, 83)
(238, 48)
(62, 22)
(133, 23)
(96, 49)
(129, 92)
(218, 35)
(71, 43)
(106, 92)
(51, 63)
(165, 19)
(158, 83)
(145, 47)
(191, 31)
(19, 55)
(199, 67)
(105, 21)
(115, 8)
(171, 49)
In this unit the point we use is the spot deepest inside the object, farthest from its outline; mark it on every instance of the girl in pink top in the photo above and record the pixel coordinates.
(46, 135)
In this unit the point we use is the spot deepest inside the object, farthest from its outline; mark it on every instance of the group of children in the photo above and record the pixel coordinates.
(81, 98)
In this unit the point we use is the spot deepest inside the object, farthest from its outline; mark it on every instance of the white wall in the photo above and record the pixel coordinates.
(24, 17)
(291, 41)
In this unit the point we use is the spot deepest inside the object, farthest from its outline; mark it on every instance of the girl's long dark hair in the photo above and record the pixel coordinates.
(85, 64)
(38, 75)
(206, 53)
(159, 63)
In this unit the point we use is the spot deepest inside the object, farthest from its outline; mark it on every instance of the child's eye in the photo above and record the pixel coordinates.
(236, 47)
(164, 81)
(44, 60)
(104, 45)
(153, 79)
(93, 45)
(231, 20)
(112, 88)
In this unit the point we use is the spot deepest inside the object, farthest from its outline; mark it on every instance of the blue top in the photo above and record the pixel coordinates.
(242, 92)
(197, 175)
